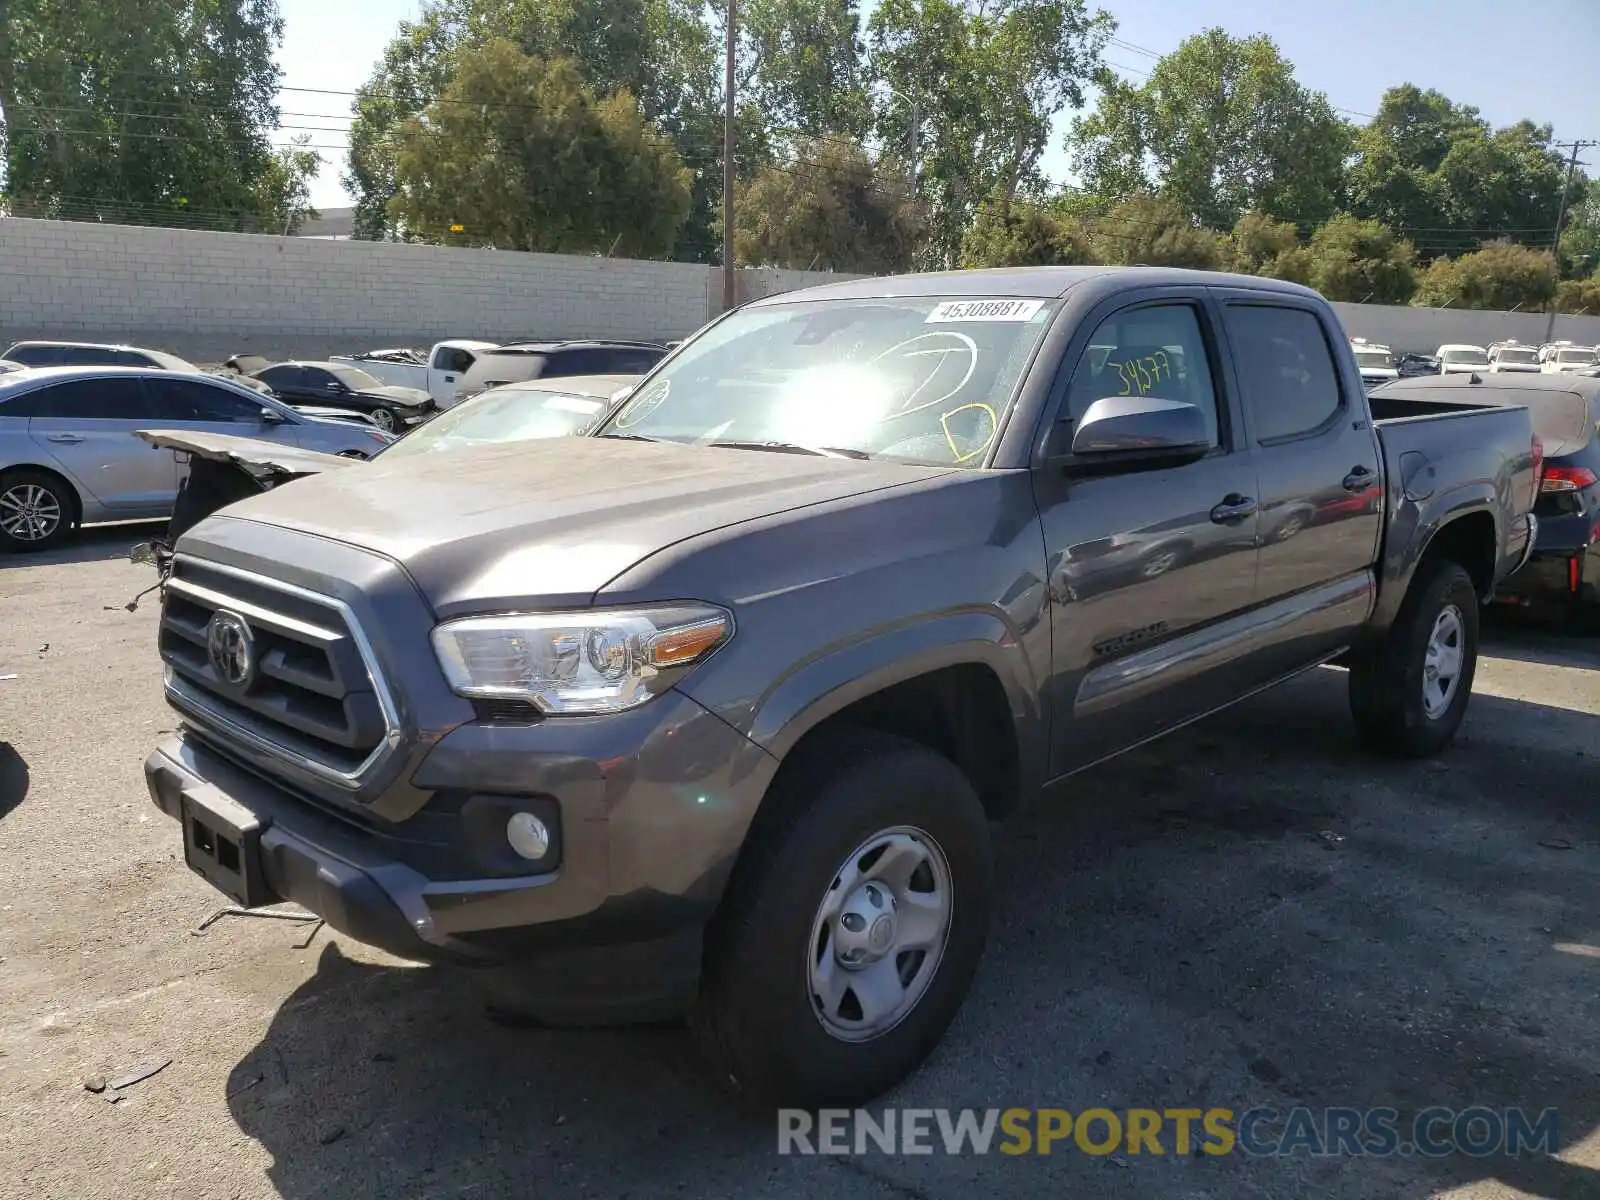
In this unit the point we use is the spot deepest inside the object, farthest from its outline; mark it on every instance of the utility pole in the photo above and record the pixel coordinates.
(730, 280)
(1561, 216)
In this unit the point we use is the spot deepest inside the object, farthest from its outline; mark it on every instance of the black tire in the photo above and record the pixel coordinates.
(754, 1017)
(45, 494)
(1386, 682)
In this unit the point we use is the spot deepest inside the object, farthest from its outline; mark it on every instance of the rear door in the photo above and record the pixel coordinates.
(1150, 569)
(1317, 459)
(85, 426)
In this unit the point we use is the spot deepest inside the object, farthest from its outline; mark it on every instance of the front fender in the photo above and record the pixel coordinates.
(810, 691)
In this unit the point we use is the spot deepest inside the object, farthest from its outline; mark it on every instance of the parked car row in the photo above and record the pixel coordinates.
(68, 456)
(1379, 365)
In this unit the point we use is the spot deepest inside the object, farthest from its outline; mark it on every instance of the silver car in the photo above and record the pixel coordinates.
(68, 456)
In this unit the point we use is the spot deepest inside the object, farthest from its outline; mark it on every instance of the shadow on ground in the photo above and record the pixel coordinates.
(1246, 914)
(95, 543)
(13, 777)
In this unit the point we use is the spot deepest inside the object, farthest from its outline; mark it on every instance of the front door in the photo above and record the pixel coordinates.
(1147, 566)
(86, 427)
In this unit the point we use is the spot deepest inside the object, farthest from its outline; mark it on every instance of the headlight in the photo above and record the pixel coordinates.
(576, 663)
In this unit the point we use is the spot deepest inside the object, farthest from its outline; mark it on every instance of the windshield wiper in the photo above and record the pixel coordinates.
(630, 437)
(795, 448)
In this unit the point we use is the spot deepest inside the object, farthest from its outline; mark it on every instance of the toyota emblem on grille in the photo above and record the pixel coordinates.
(231, 648)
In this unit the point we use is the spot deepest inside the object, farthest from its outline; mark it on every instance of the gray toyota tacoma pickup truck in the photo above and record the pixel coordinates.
(711, 711)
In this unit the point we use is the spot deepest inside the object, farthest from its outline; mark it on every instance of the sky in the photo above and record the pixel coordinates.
(1351, 52)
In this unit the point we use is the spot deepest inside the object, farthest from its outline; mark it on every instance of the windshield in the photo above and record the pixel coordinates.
(1519, 355)
(508, 414)
(1470, 356)
(1374, 358)
(1575, 357)
(916, 378)
(354, 379)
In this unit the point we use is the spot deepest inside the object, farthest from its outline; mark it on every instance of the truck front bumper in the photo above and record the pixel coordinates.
(648, 812)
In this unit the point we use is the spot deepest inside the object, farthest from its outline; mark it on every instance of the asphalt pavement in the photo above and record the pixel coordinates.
(1251, 913)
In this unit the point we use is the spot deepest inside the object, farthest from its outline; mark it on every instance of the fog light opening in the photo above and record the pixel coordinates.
(528, 835)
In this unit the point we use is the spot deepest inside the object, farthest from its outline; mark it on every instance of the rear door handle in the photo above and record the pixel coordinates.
(1358, 478)
(1233, 509)
(68, 439)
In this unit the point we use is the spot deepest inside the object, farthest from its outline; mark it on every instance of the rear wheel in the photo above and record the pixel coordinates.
(1409, 693)
(36, 510)
(852, 928)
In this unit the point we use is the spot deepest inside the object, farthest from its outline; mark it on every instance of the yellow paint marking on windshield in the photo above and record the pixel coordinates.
(955, 451)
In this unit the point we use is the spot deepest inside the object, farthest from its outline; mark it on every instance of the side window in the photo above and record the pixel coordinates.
(1154, 350)
(92, 400)
(93, 356)
(35, 356)
(634, 362)
(453, 359)
(187, 400)
(1286, 373)
(280, 377)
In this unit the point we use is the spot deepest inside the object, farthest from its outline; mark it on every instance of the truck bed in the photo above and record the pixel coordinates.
(1441, 456)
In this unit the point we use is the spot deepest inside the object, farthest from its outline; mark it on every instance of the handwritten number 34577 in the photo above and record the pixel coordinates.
(1143, 373)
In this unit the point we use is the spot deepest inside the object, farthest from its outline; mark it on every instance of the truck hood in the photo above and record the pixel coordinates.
(548, 523)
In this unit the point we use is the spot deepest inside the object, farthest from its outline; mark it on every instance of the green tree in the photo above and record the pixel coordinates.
(1579, 295)
(283, 193)
(1153, 231)
(1361, 261)
(838, 213)
(518, 153)
(1437, 172)
(1257, 242)
(808, 76)
(659, 51)
(985, 79)
(1502, 276)
(1017, 233)
(142, 111)
(1222, 128)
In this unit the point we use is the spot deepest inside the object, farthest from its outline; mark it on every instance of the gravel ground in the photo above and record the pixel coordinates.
(1250, 913)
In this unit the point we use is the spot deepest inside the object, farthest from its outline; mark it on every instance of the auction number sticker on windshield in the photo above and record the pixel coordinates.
(984, 310)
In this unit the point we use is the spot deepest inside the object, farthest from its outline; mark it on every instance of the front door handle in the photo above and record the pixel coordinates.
(1233, 509)
(1359, 478)
(66, 439)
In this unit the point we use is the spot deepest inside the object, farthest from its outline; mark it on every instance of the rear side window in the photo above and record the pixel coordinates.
(1286, 370)
(282, 377)
(35, 356)
(632, 362)
(188, 400)
(84, 400)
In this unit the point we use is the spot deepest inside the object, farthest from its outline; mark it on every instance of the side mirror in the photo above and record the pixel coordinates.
(1137, 428)
(271, 416)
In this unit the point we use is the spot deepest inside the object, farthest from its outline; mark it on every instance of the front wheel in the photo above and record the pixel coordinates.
(36, 511)
(1409, 693)
(852, 928)
(383, 419)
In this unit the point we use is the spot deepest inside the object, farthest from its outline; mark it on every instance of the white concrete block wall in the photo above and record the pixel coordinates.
(208, 295)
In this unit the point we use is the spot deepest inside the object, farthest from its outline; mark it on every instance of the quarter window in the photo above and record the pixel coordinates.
(1286, 373)
(1156, 350)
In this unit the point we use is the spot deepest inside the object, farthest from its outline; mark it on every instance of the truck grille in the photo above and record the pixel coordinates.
(280, 669)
